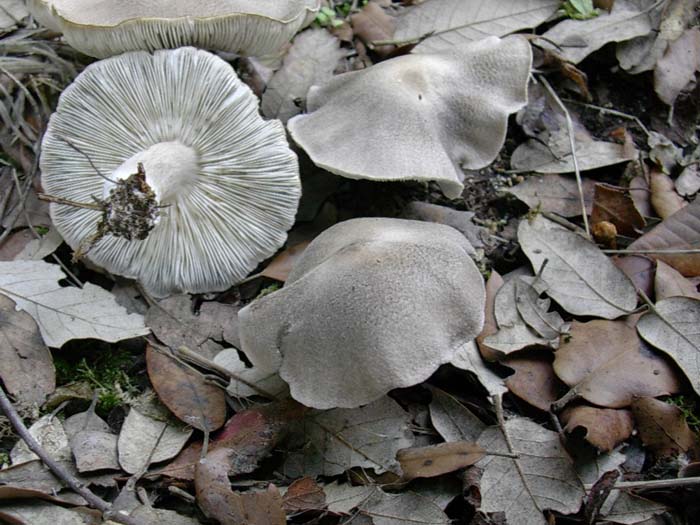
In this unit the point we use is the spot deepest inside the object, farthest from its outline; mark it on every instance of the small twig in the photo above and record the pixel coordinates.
(572, 143)
(562, 222)
(611, 112)
(178, 492)
(67, 202)
(648, 252)
(653, 484)
(59, 470)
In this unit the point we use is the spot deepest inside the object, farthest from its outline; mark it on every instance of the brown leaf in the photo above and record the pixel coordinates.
(14, 244)
(680, 231)
(373, 23)
(640, 194)
(616, 206)
(670, 283)
(435, 460)
(182, 467)
(554, 193)
(534, 379)
(26, 365)
(283, 262)
(185, 392)
(640, 271)
(676, 68)
(664, 198)
(607, 364)
(598, 494)
(605, 427)
(663, 428)
(304, 494)
(490, 325)
(218, 501)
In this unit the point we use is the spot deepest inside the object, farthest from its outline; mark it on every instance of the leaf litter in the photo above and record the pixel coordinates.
(585, 362)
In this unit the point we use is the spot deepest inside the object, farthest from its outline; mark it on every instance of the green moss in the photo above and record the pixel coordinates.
(107, 372)
(689, 410)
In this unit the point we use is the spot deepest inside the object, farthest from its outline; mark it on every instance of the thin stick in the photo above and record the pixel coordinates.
(67, 202)
(59, 470)
(653, 484)
(611, 112)
(572, 142)
(662, 251)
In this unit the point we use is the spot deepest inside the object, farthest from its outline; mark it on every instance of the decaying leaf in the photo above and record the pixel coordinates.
(50, 434)
(468, 358)
(663, 429)
(664, 198)
(451, 22)
(554, 193)
(534, 310)
(26, 366)
(677, 67)
(280, 267)
(66, 313)
(680, 231)
(327, 443)
(304, 494)
(638, 269)
(542, 477)
(579, 276)
(268, 384)
(674, 328)
(92, 442)
(605, 363)
(493, 285)
(374, 23)
(398, 509)
(185, 392)
(534, 380)
(670, 283)
(688, 182)
(452, 420)
(310, 60)
(513, 333)
(605, 428)
(579, 38)
(35, 513)
(459, 220)
(144, 440)
(435, 460)
(616, 206)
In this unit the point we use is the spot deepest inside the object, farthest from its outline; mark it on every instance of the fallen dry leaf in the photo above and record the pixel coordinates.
(542, 477)
(676, 68)
(185, 392)
(688, 182)
(469, 358)
(459, 220)
(283, 262)
(674, 328)
(436, 460)
(373, 23)
(35, 513)
(452, 420)
(664, 198)
(639, 269)
(663, 428)
(579, 276)
(494, 283)
(450, 22)
(92, 442)
(534, 310)
(51, 436)
(65, 313)
(554, 193)
(640, 194)
(534, 380)
(616, 206)
(144, 440)
(26, 365)
(327, 443)
(605, 428)
(680, 231)
(670, 283)
(311, 59)
(398, 509)
(605, 363)
(304, 494)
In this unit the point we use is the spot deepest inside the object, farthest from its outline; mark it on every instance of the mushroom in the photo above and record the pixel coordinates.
(418, 117)
(226, 182)
(104, 28)
(373, 304)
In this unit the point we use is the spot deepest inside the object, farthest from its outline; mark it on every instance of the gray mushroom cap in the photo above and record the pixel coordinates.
(373, 304)
(227, 179)
(418, 117)
(103, 28)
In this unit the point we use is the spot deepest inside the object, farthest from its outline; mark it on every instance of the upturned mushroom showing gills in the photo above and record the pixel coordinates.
(373, 304)
(418, 117)
(103, 28)
(225, 184)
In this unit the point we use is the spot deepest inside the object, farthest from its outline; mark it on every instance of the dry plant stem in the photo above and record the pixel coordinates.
(59, 200)
(611, 112)
(563, 222)
(653, 484)
(644, 252)
(59, 470)
(572, 142)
